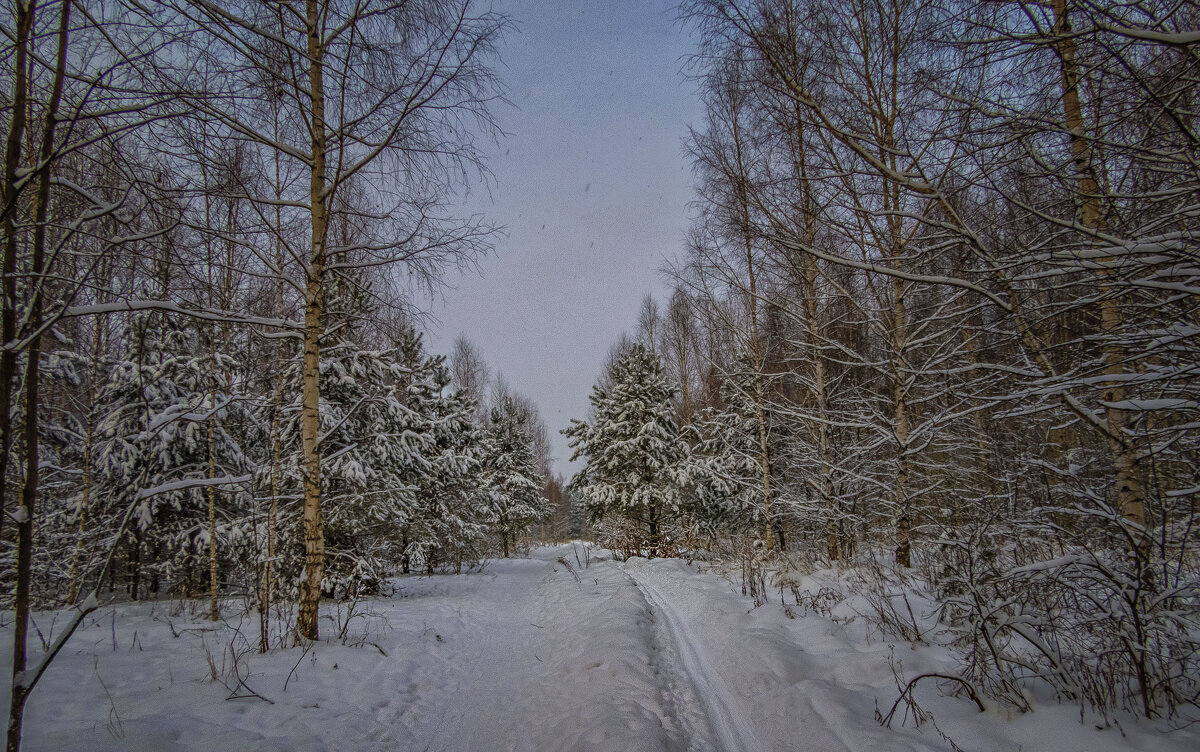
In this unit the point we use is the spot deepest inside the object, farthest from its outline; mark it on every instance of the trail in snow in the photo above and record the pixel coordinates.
(529, 656)
(725, 714)
(532, 655)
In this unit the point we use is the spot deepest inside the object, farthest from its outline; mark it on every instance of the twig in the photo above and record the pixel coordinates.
(307, 647)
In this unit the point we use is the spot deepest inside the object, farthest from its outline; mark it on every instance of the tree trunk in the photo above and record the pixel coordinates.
(25, 516)
(1130, 495)
(88, 438)
(893, 206)
(764, 457)
(154, 547)
(135, 562)
(213, 606)
(26, 513)
(267, 594)
(314, 539)
(808, 284)
(8, 312)
(901, 428)
(684, 386)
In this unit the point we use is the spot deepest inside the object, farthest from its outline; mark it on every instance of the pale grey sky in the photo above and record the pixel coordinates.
(592, 186)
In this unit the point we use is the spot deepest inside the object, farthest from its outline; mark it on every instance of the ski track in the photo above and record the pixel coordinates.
(725, 717)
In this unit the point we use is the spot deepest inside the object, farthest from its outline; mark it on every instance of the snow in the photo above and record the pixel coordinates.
(540, 653)
(188, 483)
(695, 675)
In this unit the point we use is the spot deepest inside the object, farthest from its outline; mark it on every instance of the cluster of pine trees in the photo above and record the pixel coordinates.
(940, 308)
(174, 452)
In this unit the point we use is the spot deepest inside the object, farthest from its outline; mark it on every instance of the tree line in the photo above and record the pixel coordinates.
(938, 307)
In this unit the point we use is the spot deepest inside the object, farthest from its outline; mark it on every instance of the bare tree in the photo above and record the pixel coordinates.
(58, 226)
(975, 219)
(469, 373)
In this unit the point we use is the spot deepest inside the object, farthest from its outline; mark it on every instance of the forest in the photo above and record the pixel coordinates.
(935, 327)
(938, 307)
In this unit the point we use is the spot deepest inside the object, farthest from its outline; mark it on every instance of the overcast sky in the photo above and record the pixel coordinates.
(592, 187)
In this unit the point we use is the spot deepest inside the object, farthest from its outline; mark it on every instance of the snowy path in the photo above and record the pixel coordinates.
(540, 660)
(725, 713)
(532, 655)
(527, 656)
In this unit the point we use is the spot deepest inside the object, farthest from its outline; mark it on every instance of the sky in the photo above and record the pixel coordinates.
(592, 186)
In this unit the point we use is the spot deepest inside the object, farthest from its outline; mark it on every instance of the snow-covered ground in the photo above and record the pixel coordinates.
(531, 654)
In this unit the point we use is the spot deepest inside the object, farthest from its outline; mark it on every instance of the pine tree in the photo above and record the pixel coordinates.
(449, 522)
(152, 440)
(400, 465)
(632, 445)
(512, 479)
(364, 458)
(724, 471)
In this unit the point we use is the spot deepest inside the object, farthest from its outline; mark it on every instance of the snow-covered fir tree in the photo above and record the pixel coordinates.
(151, 452)
(724, 469)
(512, 480)
(631, 446)
(399, 471)
(449, 524)
(364, 457)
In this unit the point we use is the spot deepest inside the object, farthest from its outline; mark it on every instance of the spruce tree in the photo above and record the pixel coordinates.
(448, 524)
(152, 440)
(724, 468)
(512, 480)
(400, 466)
(631, 446)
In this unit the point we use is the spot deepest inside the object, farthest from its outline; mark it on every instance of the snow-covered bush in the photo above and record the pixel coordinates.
(1058, 601)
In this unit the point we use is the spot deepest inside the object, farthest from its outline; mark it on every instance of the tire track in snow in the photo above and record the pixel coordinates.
(729, 727)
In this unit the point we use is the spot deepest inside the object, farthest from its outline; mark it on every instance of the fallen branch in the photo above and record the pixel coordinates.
(887, 720)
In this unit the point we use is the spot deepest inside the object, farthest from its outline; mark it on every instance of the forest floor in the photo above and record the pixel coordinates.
(550, 652)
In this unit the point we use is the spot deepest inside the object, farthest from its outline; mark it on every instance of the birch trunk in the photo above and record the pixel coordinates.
(764, 458)
(835, 547)
(887, 113)
(267, 586)
(1130, 495)
(314, 540)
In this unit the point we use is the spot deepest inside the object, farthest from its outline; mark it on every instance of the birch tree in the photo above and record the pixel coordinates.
(1001, 195)
(385, 96)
